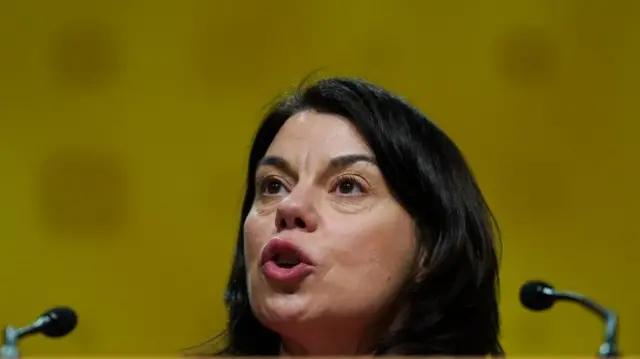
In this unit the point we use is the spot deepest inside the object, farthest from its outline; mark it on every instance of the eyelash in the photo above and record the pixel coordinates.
(357, 180)
(262, 183)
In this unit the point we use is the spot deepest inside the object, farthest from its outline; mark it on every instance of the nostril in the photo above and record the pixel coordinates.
(283, 223)
(299, 223)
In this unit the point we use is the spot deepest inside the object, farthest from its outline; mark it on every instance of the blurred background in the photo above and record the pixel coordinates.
(125, 126)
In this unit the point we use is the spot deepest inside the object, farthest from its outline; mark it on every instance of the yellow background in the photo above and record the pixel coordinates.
(124, 127)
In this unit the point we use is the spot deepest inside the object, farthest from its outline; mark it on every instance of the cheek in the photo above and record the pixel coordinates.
(377, 249)
(255, 236)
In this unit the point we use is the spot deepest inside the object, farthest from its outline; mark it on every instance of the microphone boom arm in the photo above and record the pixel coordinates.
(609, 347)
(10, 337)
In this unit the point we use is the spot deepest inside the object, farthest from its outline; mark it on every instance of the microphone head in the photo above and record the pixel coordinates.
(537, 295)
(58, 322)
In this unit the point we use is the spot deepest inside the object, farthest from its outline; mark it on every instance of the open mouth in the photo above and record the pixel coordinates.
(284, 262)
(284, 254)
(286, 259)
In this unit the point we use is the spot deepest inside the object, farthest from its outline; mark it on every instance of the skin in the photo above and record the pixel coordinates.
(339, 211)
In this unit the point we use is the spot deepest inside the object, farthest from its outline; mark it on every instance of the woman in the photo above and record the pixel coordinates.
(363, 232)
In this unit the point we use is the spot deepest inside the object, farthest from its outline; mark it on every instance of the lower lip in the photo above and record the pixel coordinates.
(281, 274)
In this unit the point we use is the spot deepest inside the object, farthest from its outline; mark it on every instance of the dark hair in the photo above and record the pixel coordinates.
(453, 308)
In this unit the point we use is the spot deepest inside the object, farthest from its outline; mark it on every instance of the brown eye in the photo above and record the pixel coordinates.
(271, 187)
(349, 186)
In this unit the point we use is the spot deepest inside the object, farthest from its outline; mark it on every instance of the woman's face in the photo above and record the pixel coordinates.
(325, 241)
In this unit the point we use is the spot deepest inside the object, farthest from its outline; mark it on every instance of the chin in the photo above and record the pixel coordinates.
(277, 309)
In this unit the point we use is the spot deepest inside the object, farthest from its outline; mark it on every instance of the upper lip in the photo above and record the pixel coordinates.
(279, 245)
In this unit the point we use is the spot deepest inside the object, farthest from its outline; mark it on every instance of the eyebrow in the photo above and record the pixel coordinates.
(336, 163)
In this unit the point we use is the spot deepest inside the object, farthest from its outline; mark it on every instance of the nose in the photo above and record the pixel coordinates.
(297, 212)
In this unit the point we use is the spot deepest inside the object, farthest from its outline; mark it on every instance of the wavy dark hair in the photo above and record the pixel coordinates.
(453, 308)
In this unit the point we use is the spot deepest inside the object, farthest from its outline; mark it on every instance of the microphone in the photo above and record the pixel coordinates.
(539, 296)
(54, 323)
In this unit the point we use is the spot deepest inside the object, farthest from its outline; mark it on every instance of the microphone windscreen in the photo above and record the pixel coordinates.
(533, 296)
(62, 321)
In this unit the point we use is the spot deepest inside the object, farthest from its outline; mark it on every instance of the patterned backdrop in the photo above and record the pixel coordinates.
(124, 127)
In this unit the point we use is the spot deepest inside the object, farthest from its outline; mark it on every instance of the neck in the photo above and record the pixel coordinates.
(319, 347)
(327, 342)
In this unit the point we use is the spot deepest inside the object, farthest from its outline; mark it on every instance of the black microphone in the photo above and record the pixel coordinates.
(538, 296)
(54, 323)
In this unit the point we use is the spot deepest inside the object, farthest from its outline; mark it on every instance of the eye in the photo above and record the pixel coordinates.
(349, 186)
(271, 187)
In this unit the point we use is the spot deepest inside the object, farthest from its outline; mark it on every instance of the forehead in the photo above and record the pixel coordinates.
(318, 133)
